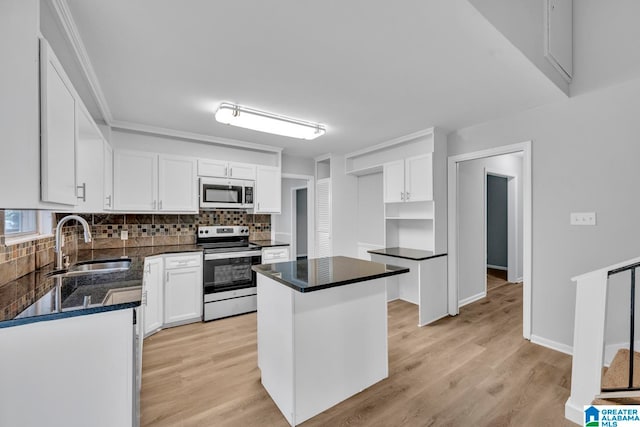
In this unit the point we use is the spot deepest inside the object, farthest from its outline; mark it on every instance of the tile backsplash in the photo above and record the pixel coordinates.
(144, 230)
(162, 229)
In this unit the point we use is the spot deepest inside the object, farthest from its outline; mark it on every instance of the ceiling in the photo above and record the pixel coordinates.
(369, 71)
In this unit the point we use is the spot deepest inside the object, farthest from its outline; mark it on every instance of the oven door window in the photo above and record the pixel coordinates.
(229, 274)
(222, 193)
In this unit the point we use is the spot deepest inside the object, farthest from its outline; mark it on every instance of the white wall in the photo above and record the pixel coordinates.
(344, 209)
(585, 158)
(471, 222)
(370, 210)
(522, 22)
(297, 165)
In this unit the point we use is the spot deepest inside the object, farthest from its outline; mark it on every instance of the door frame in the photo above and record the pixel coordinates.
(311, 241)
(513, 263)
(452, 171)
(294, 221)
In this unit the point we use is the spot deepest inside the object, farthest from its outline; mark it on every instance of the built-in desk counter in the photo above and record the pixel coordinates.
(322, 331)
(425, 285)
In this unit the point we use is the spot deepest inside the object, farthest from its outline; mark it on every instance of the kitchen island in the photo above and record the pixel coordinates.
(322, 331)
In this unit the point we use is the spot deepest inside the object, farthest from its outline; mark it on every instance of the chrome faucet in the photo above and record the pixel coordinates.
(59, 237)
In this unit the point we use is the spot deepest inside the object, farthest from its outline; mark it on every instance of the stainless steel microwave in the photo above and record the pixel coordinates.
(222, 193)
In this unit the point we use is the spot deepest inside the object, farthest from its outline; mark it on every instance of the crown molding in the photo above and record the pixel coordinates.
(61, 8)
(155, 130)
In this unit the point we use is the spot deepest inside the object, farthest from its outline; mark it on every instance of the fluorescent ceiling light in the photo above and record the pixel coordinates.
(236, 115)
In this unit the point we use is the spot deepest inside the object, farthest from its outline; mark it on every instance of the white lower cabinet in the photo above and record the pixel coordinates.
(152, 295)
(172, 291)
(73, 372)
(182, 289)
(275, 254)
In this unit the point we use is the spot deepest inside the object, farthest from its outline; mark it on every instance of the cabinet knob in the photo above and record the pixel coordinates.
(401, 195)
(407, 195)
(108, 200)
(160, 205)
(84, 192)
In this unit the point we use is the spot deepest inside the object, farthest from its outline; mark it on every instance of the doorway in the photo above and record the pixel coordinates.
(468, 279)
(294, 224)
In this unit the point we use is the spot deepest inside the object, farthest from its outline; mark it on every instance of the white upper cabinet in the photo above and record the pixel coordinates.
(135, 181)
(108, 176)
(148, 182)
(177, 190)
(393, 173)
(89, 164)
(224, 169)
(418, 178)
(58, 130)
(408, 180)
(268, 189)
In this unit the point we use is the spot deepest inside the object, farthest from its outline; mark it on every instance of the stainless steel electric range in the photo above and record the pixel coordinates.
(229, 283)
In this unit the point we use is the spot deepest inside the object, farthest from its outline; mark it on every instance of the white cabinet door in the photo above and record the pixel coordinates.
(108, 177)
(152, 295)
(183, 295)
(268, 190)
(418, 178)
(135, 181)
(213, 168)
(393, 177)
(90, 185)
(242, 171)
(57, 131)
(177, 184)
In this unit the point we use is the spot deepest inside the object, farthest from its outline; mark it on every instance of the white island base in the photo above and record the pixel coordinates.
(316, 349)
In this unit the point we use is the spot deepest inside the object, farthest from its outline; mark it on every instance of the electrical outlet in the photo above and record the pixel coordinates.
(124, 235)
(583, 218)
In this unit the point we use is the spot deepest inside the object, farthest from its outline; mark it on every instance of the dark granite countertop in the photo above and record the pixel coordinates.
(32, 298)
(321, 273)
(268, 243)
(407, 253)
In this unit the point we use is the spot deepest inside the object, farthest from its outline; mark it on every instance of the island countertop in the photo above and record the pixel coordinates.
(321, 273)
(407, 253)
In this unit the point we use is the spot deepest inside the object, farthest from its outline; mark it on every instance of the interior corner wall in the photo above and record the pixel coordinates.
(584, 159)
(522, 23)
(344, 209)
(370, 210)
(297, 165)
(281, 223)
(472, 261)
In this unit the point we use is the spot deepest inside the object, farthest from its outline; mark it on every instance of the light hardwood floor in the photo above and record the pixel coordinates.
(472, 369)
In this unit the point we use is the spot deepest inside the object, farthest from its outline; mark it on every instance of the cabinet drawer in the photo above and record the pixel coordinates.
(275, 255)
(183, 261)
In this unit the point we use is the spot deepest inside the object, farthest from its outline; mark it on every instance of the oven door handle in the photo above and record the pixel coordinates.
(228, 255)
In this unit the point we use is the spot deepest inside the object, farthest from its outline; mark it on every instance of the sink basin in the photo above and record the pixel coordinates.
(94, 267)
(101, 266)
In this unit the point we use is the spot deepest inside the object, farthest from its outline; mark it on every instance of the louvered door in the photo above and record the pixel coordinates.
(323, 217)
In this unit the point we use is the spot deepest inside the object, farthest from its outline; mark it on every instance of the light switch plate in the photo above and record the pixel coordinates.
(124, 235)
(583, 218)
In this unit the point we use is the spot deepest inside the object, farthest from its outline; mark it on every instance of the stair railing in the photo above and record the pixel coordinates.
(632, 313)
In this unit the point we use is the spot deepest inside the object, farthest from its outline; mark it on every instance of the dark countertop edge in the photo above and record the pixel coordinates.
(401, 270)
(378, 252)
(270, 244)
(67, 314)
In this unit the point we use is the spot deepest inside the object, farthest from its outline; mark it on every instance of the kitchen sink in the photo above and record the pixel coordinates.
(94, 267)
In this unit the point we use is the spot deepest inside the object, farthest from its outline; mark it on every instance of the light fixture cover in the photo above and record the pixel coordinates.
(249, 118)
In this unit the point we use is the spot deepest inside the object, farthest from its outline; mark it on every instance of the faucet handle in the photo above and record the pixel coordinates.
(65, 261)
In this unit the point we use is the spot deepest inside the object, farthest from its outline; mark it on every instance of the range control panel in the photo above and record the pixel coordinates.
(222, 230)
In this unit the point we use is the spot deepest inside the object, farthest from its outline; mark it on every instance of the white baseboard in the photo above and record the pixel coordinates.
(471, 299)
(497, 267)
(573, 413)
(553, 345)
